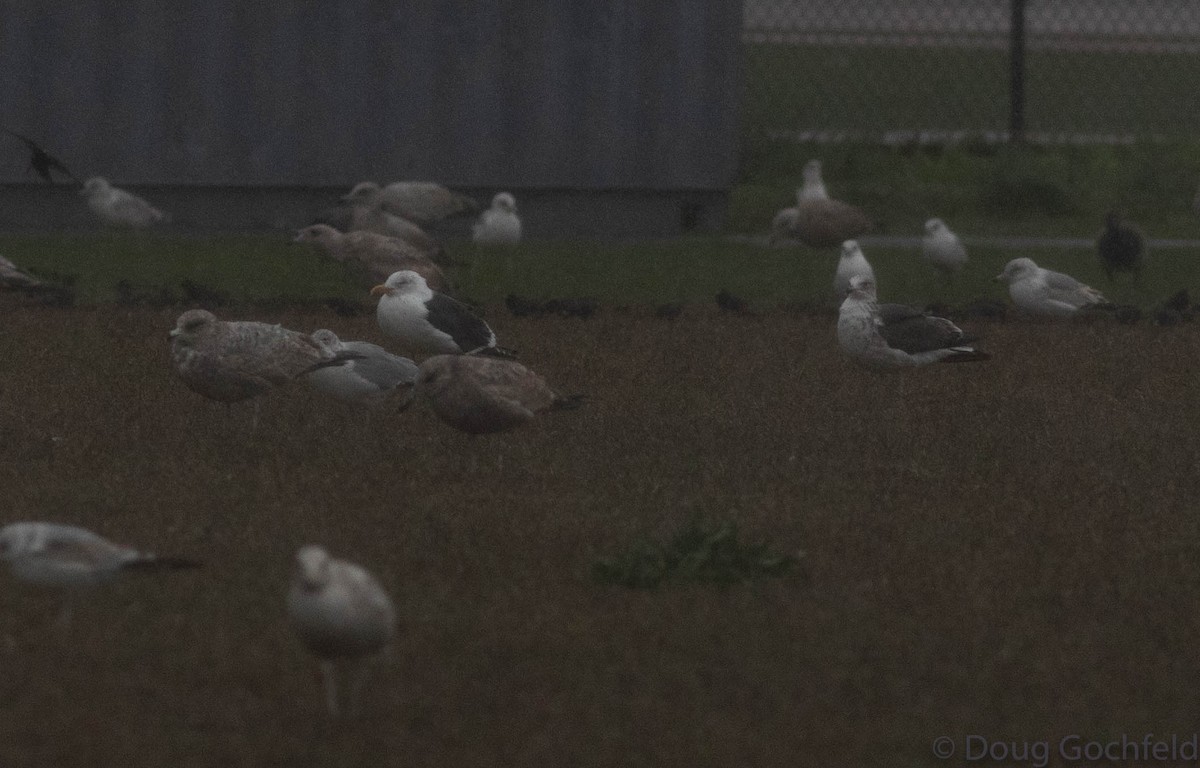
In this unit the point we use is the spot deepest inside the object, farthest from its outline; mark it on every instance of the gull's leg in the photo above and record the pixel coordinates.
(358, 677)
(329, 675)
(254, 418)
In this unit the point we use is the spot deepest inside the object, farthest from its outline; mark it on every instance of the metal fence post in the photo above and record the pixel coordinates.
(1016, 114)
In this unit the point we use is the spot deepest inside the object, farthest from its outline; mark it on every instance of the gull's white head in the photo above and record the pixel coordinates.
(1017, 269)
(505, 202)
(935, 226)
(16, 539)
(193, 323)
(312, 567)
(400, 283)
(321, 234)
(862, 288)
(363, 191)
(851, 250)
(812, 171)
(326, 340)
(95, 186)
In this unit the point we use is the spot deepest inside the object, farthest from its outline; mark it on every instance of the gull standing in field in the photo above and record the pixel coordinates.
(375, 255)
(895, 335)
(1121, 246)
(813, 187)
(376, 375)
(72, 557)
(117, 208)
(339, 611)
(942, 248)
(429, 322)
(500, 224)
(418, 201)
(1045, 292)
(852, 263)
(233, 361)
(480, 395)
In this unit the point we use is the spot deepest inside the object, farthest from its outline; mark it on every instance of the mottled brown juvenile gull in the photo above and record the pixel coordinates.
(428, 322)
(500, 224)
(374, 255)
(233, 361)
(480, 395)
(894, 335)
(419, 201)
(1121, 246)
(1045, 292)
(942, 248)
(851, 263)
(339, 611)
(360, 215)
(117, 208)
(375, 376)
(73, 557)
(828, 223)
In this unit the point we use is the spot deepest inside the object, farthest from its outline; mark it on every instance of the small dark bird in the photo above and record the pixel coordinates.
(1121, 246)
(731, 303)
(41, 161)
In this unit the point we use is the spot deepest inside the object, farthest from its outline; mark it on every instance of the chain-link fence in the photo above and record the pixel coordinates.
(935, 70)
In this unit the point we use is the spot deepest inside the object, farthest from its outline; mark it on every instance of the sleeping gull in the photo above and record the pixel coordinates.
(480, 395)
(69, 556)
(430, 322)
(233, 361)
(814, 186)
(851, 263)
(338, 610)
(1121, 246)
(826, 223)
(366, 214)
(894, 335)
(420, 201)
(372, 378)
(942, 248)
(376, 255)
(1045, 292)
(498, 225)
(117, 208)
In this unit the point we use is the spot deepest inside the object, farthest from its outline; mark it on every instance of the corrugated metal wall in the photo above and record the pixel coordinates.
(562, 94)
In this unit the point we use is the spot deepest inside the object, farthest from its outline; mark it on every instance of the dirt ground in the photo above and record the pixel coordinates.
(1005, 549)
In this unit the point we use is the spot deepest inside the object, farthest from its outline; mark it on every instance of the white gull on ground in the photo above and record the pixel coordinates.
(480, 395)
(894, 335)
(375, 255)
(70, 556)
(813, 187)
(1045, 292)
(339, 611)
(500, 224)
(851, 263)
(942, 248)
(375, 376)
(233, 361)
(429, 322)
(118, 208)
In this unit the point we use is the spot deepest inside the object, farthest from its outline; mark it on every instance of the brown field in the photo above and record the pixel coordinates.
(1005, 549)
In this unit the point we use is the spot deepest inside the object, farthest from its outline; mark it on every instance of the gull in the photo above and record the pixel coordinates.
(376, 255)
(895, 335)
(498, 225)
(339, 611)
(117, 208)
(233, 361)
(783, 226)
(371, 378)
(420, 201)
(1121, 246)
(942, 248)
(424, 320)
(851, 263)
(42, 162)
(14, 278)
(363, 214)
(1045, 292)
(73, 557)
(814, 186)
(481, 395)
